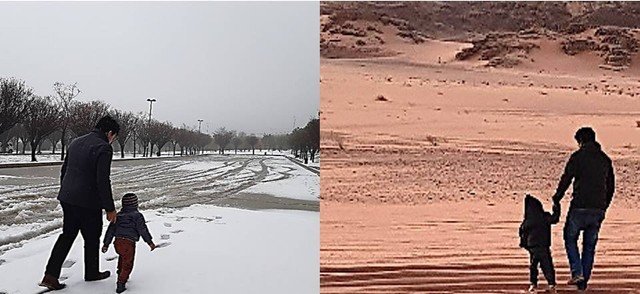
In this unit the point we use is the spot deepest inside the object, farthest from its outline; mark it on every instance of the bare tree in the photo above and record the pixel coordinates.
(268, 142)
(297, 140)
(282, 142)
(222, 137)
(160, 134)
(313, 137)
(85, 115)
(7, 136)
(55, 137)
(137, 129)
(236, 141)
(21, 134)
(65, 93)
(202, 141)
(14, 98)
(252, 140)
(128, 122)
(4, 141)
(41, 120)
(145, 138)
(191, 141)
(182, 138)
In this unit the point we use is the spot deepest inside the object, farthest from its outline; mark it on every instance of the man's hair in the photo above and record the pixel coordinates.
(107, 124)
(585, 135)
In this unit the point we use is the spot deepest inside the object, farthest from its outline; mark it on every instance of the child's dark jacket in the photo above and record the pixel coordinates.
(130, 224)
(535, 230)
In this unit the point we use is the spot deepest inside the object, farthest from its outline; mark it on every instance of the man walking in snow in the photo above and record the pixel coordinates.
(85, 189)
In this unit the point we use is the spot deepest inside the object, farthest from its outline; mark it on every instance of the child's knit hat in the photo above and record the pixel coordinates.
(130, 200)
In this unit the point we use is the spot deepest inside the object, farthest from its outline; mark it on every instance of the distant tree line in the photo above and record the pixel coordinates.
(34, 120)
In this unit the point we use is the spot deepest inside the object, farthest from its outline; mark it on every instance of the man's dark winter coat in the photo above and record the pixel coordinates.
(594, 180)
(84, 179)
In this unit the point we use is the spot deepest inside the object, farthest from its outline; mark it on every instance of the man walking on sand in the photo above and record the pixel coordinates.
(85, 189)
(593, 186)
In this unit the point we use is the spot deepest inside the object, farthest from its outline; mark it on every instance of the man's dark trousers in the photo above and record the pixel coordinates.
(88, 221)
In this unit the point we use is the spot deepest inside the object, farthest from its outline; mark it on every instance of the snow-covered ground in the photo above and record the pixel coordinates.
(213, 249)
(20, 158)
(289, 181)
(208, 250)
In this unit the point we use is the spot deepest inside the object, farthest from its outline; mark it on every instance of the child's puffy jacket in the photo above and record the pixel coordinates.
(130, 224)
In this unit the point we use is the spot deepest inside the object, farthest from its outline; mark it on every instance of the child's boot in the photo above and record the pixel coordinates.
(552, 289)
(532, 288)
(120, 287)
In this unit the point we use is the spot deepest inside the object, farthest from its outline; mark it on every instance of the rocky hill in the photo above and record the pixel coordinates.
(502, 32)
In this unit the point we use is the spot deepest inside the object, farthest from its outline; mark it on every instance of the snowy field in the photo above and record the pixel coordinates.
(192, 205)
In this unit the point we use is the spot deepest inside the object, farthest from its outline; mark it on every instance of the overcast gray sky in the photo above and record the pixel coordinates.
(248, 66)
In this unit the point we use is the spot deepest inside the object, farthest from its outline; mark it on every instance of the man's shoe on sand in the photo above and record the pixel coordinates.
(575, 280)
(51, 283)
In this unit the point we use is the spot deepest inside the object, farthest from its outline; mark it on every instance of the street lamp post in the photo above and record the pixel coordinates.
(151, 100)
(200, 124)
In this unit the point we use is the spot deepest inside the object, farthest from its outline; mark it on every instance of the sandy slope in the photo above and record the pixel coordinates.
(422, 193)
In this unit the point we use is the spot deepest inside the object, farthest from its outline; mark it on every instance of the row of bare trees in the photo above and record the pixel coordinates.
(33, 119)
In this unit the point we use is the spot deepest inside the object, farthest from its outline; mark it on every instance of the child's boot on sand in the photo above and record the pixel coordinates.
(120, 288)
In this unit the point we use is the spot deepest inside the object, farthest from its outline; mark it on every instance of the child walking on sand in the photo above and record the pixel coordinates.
(535, 236)
(128, 228)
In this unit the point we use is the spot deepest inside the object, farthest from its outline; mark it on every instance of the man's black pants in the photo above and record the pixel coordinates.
(88, 221)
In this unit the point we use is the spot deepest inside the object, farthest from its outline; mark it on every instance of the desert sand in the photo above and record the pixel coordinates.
(426, 161)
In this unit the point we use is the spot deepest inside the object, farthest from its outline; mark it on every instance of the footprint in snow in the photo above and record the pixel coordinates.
(168, 225)
(177, 231)
(163, 244)
(165, 237)
(110, 258)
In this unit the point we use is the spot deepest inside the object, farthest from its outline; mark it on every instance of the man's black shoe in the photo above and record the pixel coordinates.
(98, 277)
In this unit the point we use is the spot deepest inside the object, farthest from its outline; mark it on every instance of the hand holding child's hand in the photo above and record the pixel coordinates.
(152, 246)
(104, 249)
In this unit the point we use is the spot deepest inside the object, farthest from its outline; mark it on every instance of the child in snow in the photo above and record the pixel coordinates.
(535, 236)
(128, 228)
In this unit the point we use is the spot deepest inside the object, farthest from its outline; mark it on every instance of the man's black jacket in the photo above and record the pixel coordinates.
(593, 179)
(84, 179)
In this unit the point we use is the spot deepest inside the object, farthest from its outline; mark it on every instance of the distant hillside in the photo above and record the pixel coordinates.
(452, 19)
(503, 31)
